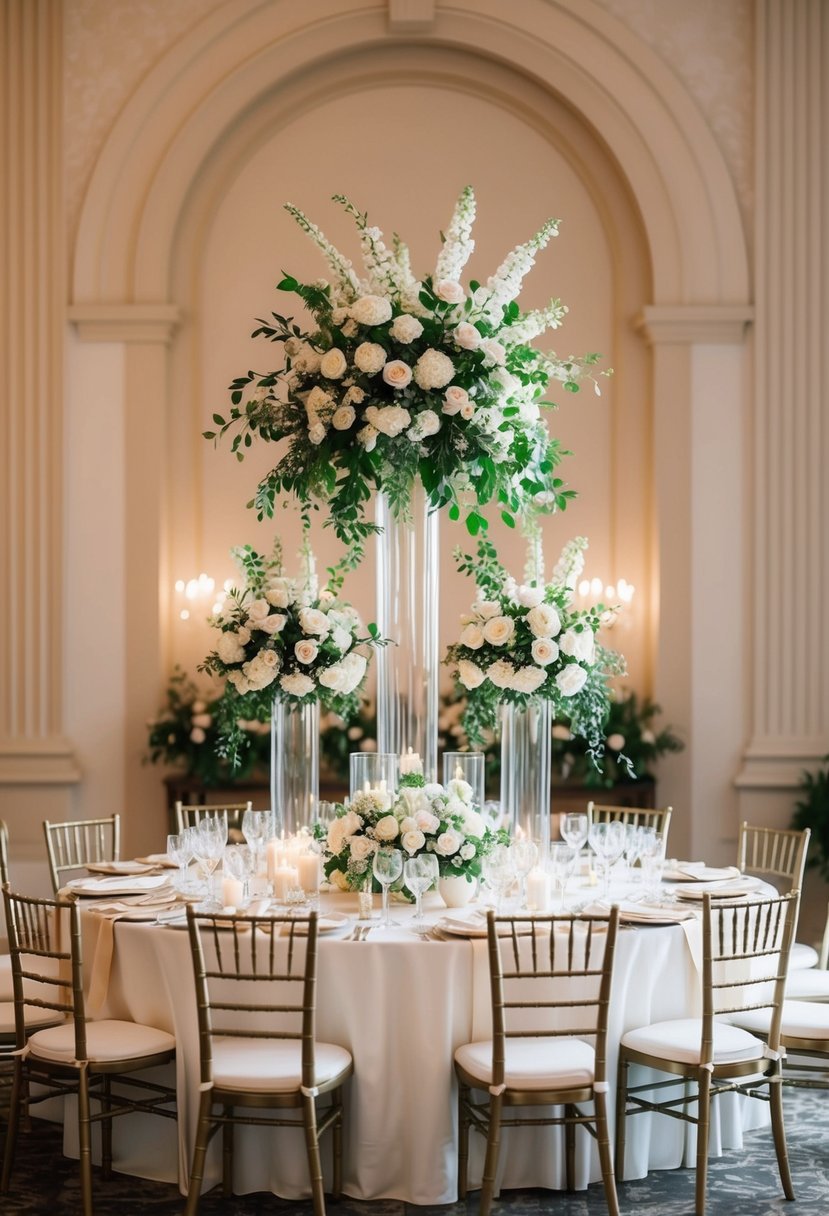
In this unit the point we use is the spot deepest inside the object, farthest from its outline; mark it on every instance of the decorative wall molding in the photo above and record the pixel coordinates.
(38, 762)
(701, 323)
(125, 322)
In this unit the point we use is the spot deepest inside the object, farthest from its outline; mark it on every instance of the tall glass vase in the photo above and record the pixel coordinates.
(407, 572)
(295, 764)
(525, 771)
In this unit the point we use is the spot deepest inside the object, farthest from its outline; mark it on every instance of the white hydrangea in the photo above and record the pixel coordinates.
(371, 310)
(426, 423)
(370, 357)
(571, 679)
(388, 419)
(405, 328)
(433, 369)
(297, 685)
(528, 679)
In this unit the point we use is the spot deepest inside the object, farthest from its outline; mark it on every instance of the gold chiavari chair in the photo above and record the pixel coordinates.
(550, 979)
(71, 846)
(76, 1056)
(4, 853)
(189, 814)
(639, 817)
(811, 983)
(745, 955)
(778, 856)
(260, 1051)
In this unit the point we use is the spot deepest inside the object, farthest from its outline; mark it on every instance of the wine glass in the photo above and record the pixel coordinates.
(607, 840)
(499, 872)
(239, 861)
(257, 828)
(652, 860)
(387, 867)
(562, 863)
(209, 847)
(180, 850)
(574, 826)
(419, 872)
(633, 845)
(524, 856)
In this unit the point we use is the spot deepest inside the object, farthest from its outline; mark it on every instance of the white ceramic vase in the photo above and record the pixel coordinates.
(455, 890)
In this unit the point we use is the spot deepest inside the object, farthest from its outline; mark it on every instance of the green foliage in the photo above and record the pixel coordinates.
(812, 811)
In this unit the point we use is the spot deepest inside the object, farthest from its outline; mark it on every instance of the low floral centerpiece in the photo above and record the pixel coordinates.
(402, 378)
(284, 639)
(420, 818)
(526, 641)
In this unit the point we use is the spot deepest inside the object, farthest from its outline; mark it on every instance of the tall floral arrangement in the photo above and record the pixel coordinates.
(285, 638)
(525, 641)
(402, 378)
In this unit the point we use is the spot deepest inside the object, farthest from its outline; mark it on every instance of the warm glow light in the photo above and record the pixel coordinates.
(180, 584)
(184, 614)
(596, 586)
(228, 583)
(584, 587)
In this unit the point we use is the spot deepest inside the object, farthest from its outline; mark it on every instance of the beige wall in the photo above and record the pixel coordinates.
(185, 126)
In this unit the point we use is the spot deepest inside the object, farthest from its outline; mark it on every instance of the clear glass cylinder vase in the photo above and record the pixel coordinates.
(408, 669)
(295, 764)
(526, 751)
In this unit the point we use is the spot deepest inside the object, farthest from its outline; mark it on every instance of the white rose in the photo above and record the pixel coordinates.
(354, 665)
(197, 735)
(311, 620)
(450, 291)
(407, 824)
(343, 418)
(528, 679)
(466, 336)
(501, 673)
(412, 841)
(467, 851)
(397, 373)
(571, 680)
(529, 597)
(229, 649)
(333, 364)
(316, 433)
(427, 822)
(473, 637)
(448, 842)
(473, 824)
(544, 651)
(386, 828)
(615, 742)
(341, 638)
(239, 681)
(257, 610)
(362, 847)
(297, 685)
(369, 357)
(268, 658)
(486, 608)
(469, 674)
(371, 310)
(468, 411)
(499, 630)
(433, 369)
(494, 352)
(388, 419)
(306, 651)
(307, 361)
(579, 645)
(405, 328)
(272, 624)
(333, 677)
(543, 621)
(426, 423)
(454, 399)
(460, 791)
(203, 720)
(367, 436)
(278, 594)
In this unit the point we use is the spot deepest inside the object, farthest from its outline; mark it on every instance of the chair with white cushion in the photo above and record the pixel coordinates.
(255, 991)
(811, 983)
(72, 846)
(550, 979)
(778, 856)
(745, 953)
(804, 1037)
(75, 1056)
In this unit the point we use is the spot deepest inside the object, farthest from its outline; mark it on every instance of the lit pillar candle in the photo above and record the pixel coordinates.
(308, 868)
(538, 890)
(233, 892)
(410, 762)
(285, 879)
(272, 853)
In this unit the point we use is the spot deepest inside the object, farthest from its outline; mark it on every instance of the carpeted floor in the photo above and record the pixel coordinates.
(740, 1184)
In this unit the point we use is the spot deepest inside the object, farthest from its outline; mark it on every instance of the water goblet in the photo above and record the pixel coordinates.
(419, 873)
(209, 847)
(524, 856)
(257, 829)
(652, 861)
(633, 845)
(499, 872)
(387, 867)
(607, 840)
(574, 826)
(180, 850)
(562, 863)
(239, 862)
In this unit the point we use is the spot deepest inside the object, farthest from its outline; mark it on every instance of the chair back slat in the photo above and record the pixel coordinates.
(188, 815)
(773, 853)
(4, 853)
(72, 846)
(639, 817)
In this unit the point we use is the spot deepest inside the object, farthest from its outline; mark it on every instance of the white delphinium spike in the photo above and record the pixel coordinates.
(533, 323)
(347, 286)
(503, 286)
(381, 265)
(570, 563)
(534, 565)
(401, 252)
(458, 245)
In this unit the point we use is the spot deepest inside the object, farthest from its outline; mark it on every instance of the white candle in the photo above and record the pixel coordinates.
(308, 868)
(285, 879)
(458, 772)
(233, 892)
(410, 762)
(538, 890)
(272, 853)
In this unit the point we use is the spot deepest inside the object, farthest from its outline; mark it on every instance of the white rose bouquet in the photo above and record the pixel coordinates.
(283, 638)
(403, 378)
(524, 642)
(420, 819)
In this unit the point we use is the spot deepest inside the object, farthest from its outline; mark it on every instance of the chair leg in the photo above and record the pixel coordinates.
(85, 1140)
(570, 1149)
(337, 1146)
(15, 1103)
(106, 1126)
(227, 1155)
(312, 1147)
(621, 1107)
(463, 1140)
(493, 1145)
(703, 1128)
(199, 1153)
(779, 1132)
(605, 1158)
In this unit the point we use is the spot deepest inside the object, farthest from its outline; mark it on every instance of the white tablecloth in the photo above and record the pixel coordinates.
(401, 1005)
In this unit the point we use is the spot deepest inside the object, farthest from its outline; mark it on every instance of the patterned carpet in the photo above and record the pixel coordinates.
(45, 1184)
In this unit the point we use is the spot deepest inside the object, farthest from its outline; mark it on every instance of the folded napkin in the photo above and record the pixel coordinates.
(120, 867)
(120, 885)
(698, 871)
(719, 890)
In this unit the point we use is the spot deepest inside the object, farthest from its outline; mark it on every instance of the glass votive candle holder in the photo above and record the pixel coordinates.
(373, 771)
(469, 767)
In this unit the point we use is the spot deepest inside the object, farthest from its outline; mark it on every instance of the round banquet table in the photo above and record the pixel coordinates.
(401, 1005)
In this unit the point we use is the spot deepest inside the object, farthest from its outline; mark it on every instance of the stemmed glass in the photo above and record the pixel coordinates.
(524, 856)
(209, 847)
(257, 828)
(633, 846)
(239, 861)
(574, 827)
(387, 868)
(562, 862)
(180, 850)
(652, 856)
(419, 872)
(607, 841)
(499, 871)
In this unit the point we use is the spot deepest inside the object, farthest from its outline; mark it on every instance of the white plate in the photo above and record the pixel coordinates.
(158, 859)
(719, 890)
(101, 887)
(457, 927)
(120, 867)
(697, 871)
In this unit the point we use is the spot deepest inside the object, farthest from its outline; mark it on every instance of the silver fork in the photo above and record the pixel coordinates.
(358, 933)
